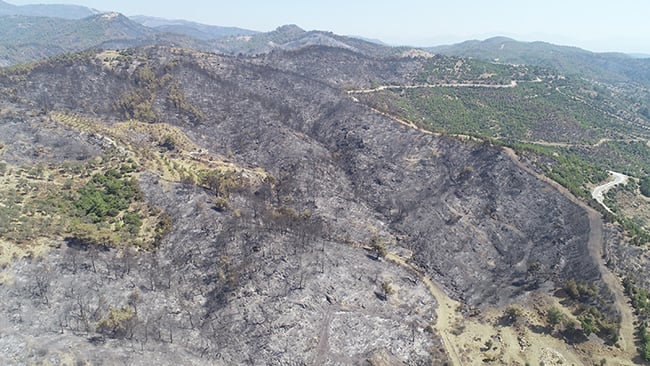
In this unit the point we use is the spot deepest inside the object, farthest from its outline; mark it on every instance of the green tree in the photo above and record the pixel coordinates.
(588, 324)
(644, 186)
(554, 316)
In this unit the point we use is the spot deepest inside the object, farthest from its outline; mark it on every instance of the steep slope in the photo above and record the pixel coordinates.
(274, 261)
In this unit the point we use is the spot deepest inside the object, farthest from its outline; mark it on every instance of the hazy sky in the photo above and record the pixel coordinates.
(613, 25)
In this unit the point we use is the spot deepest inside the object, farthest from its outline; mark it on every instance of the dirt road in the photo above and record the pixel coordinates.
(512, 84)
(446, 316)
(446, 313)
(595, 246)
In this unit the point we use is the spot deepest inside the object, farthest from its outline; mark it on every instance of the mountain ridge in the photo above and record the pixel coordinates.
(193, 29)
(64, 11)
(608, 66)
(25, 38)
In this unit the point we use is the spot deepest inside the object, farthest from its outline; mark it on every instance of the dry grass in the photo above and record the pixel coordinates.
(149, 145)
(36, 202)
(634, 205)
(529, 340)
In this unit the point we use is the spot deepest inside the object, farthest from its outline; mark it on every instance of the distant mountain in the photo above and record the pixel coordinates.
(196, 30)
(610, 67)
(292, 37)
(24, 38)
(47, 10)
(371, 40)
(28, 38)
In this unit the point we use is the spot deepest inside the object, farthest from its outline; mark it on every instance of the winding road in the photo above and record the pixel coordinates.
(599, 192)
(512, 84)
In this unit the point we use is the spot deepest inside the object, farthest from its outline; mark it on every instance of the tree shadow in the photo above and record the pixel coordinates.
(538, 329)
(373, 257)
(574, 337)
(506, 320)
(76, 243)
(73, 242)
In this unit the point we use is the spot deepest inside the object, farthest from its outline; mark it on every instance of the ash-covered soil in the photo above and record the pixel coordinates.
(280, 276)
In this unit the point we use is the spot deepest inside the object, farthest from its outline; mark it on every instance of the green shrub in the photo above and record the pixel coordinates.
(221, 182)
(221, 203)
(133, 222)
(588, 323)
(378, 247)
(554, 316)
(106, 195)
(118, 323)
(644, 186)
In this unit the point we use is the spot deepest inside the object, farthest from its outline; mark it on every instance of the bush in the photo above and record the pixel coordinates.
(387, 289)
(164, 226)
(511, 314)
(644, 186)
(119, 323)
(169, 143)
(106, 195)
(554, 316)
(133, 222)
(378, 247)
(221, 182)
(221, 203)
(588, 323)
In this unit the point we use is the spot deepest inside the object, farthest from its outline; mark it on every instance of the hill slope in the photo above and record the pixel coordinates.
(273, 183)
